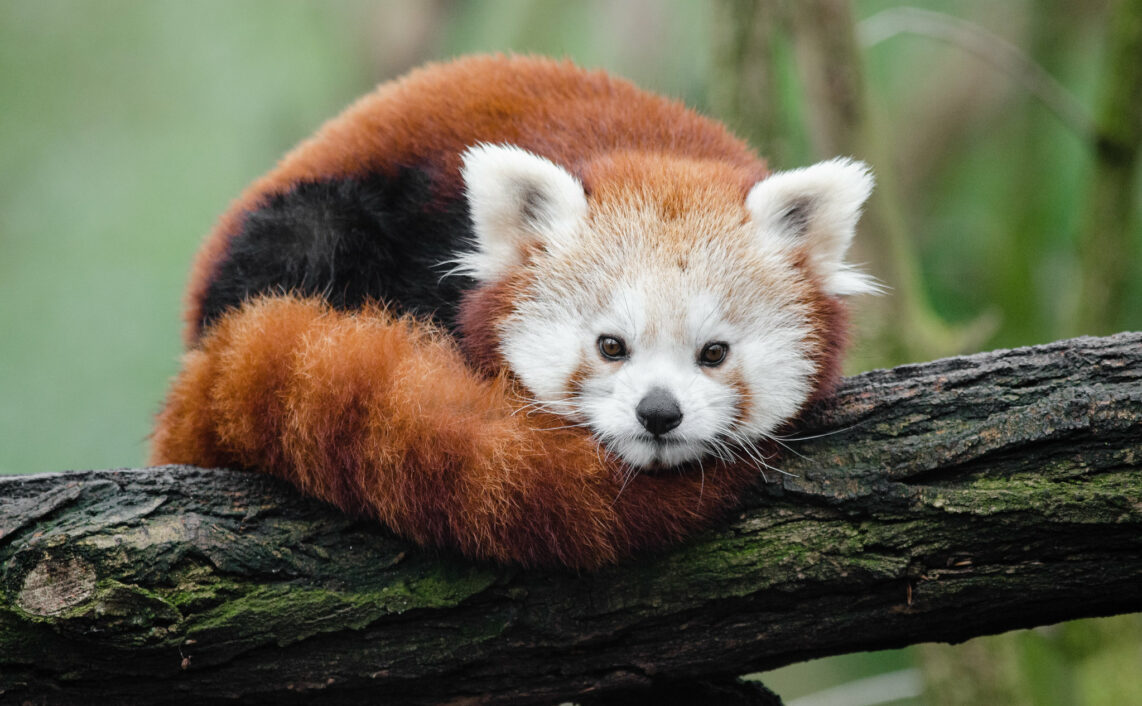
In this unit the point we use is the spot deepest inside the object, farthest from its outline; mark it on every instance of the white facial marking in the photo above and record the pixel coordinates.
(666, 287)
(665, 335)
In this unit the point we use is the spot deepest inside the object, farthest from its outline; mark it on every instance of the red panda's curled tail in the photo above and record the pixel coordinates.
(382, 417)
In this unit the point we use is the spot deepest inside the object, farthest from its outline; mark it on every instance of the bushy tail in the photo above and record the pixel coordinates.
(382, 416)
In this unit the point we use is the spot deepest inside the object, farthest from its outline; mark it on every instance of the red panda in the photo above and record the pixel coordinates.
(517, 309)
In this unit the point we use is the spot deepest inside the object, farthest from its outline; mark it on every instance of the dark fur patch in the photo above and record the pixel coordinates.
(796, 216)
(533, 205)
(349, 240)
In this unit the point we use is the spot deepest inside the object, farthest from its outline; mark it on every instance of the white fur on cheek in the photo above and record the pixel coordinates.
(543, 349)
(516, 199)
(778, 373)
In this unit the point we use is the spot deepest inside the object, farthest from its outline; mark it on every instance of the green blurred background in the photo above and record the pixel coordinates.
(126, 128)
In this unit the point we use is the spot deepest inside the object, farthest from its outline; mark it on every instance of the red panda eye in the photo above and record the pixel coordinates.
(713, 353)
(612, 347)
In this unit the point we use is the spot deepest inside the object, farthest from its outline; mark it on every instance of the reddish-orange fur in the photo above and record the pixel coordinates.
(382, 417)
(436, 112)
(387, 418)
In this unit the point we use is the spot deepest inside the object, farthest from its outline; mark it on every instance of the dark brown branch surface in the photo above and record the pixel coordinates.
(938, 502)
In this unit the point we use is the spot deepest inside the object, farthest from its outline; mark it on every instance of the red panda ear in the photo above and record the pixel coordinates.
(817, 208)
(517, 200)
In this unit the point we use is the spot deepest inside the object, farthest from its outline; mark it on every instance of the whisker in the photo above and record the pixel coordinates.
(749, 448)
(566, 426)
(816, 436)
(786, 446)
(629, 473)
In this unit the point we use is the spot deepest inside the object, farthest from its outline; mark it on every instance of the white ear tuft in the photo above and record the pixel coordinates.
(817, 207)
(517, 200)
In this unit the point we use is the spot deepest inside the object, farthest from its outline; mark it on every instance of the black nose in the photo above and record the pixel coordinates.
(658, 412)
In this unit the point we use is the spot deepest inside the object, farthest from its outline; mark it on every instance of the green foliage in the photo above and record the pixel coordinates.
(1086, 662)
(131, 125)
(128, 127)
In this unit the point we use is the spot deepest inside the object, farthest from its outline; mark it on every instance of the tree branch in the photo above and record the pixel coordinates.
(928, 502)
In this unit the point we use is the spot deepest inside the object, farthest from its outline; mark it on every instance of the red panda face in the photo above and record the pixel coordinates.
(671, 313)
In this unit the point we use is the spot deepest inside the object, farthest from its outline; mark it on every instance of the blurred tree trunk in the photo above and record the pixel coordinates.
(1053, 130)
(1036, 215)
(843, 120)
(746, 83)
(839, 122)
(1109, 226)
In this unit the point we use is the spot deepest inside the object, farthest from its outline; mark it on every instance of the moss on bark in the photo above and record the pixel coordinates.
(930, 502)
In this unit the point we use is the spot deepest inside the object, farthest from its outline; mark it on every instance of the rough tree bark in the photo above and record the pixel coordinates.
(934, 502)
